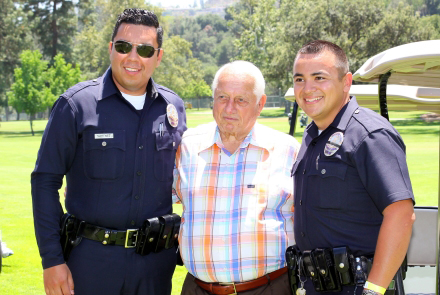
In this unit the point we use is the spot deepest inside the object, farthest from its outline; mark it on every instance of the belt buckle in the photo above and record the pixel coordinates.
(127, 235)
(227, 284)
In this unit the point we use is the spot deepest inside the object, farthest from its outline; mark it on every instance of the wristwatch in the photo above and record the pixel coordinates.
(370, 292)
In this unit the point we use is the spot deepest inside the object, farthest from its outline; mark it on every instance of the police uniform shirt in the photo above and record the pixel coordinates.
(340, 197)
(118, 164)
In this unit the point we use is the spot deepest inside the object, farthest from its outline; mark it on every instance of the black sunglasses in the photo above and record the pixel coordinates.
(143, 50)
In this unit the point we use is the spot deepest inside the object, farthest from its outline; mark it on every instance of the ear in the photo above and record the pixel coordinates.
(348, 80)
(262, 102)
(110, 45)
(159, 57)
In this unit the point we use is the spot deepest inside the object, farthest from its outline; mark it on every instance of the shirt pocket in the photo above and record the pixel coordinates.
(104, 154)
(329, 189)
(166, 147)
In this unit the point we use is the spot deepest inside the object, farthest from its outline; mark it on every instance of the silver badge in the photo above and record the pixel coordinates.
(172, 115)
(333, 144)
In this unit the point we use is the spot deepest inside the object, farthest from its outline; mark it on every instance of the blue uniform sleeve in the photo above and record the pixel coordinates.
(381, 163)
(55, 156)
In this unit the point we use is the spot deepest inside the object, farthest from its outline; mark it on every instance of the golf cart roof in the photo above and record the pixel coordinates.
(414, 64)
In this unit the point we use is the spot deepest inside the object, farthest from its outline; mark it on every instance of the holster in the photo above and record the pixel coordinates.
(292, 258)
(312, 270)
(69, 237)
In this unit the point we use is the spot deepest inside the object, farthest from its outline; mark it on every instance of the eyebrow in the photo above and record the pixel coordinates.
(313, 74)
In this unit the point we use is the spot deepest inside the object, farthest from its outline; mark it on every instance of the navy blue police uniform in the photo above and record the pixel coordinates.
(344, 178)
(118, 163)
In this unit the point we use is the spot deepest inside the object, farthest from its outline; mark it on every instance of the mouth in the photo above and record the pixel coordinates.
(132, 70)
(313, 99)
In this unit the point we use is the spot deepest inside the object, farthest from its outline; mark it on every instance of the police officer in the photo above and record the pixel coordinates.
(115, 139)
(352, 186)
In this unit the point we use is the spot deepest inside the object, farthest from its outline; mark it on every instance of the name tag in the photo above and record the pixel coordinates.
(251, 185)
(103, 135)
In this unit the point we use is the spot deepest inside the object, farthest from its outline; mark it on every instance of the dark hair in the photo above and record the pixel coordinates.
(139, 17)
(318, 46)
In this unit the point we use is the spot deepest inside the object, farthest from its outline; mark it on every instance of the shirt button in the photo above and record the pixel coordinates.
(323, 171)
(104, 143)
(136, 197)
(141, 147)
(300, 202)
(303, 234)
(139, 173)
(132, 222)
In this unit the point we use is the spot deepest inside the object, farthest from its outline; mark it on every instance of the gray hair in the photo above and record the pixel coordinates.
(243, 67)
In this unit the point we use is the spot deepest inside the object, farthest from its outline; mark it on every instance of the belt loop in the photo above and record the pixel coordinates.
(268, 278)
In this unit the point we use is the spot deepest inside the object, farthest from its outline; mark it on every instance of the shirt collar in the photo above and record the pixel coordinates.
(256, 137)
(341, 120)
(108, 86)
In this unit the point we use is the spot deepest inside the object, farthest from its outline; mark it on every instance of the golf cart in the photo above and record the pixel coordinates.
(408, 78)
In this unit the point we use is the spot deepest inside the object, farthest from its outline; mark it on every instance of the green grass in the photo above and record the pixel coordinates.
(22, 273)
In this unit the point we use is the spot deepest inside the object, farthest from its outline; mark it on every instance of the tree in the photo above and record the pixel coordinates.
(54, 24)
(60, 77)
(15, 36)
(271, 32)
(29, 92)
(197, 89)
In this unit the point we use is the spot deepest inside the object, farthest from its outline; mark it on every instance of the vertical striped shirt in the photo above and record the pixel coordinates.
(237, 218)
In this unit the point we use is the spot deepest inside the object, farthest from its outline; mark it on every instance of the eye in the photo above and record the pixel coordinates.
(241, 101)
(319, 78)
(298, 79)
(222, 98)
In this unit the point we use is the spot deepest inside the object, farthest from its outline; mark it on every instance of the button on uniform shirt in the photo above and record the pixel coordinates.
(237, 208)
(119, 171)
(345, 177)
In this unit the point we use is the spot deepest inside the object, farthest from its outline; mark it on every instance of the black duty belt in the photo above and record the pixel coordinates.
(155, 235)
(329, 269)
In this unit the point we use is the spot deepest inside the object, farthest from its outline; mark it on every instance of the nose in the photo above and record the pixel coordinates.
(133, 53)
(309, 87)
(230, 106)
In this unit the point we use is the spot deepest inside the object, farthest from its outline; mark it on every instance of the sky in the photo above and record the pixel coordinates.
(173, 3)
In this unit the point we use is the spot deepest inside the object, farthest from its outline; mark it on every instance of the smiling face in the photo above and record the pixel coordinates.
(319, 90)
(235, 107)
(131, 72)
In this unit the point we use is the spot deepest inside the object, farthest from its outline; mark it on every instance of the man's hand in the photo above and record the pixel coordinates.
(58, 280)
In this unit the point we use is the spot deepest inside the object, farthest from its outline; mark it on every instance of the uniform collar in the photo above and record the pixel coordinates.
(341, 120)
(108, 86)
(256, 137)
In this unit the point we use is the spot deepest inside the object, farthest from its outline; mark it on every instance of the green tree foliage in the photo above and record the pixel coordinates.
(15, 35)
(60, 77)
(197, 89)
(211, 39)
(272, 31)
(54, 24)
(179, 68)
(29, 92)
(36, 86)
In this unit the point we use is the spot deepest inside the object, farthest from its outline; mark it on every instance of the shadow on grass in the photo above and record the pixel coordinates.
(12, 134)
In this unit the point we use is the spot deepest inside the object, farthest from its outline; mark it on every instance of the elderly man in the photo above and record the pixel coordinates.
(352, 187)
(115, 139)
(233, 177)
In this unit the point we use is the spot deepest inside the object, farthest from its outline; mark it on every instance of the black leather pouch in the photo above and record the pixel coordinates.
(323, 259)
(312, 271)
(341, 257)
(148, 236)
(292, 258)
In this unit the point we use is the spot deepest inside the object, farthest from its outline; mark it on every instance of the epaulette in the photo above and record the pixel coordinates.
(78, 87)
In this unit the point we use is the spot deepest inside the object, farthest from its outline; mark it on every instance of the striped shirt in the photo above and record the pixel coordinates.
(237, 218)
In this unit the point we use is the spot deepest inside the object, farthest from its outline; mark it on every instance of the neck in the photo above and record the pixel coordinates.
(232, 141)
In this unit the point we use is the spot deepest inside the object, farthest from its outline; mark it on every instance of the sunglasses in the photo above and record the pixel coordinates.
(143, 50)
